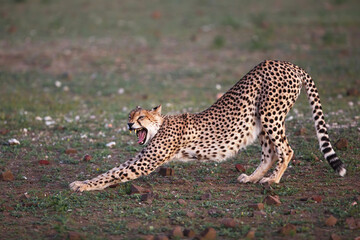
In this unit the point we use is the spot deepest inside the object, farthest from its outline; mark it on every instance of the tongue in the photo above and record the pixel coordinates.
(141, 136)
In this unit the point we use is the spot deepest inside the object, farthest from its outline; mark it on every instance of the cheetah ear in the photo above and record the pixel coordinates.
(157, 109)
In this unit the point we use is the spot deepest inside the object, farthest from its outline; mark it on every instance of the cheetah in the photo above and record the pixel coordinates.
(255, 107)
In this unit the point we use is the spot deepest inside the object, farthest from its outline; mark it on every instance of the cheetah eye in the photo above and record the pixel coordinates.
(141, 117)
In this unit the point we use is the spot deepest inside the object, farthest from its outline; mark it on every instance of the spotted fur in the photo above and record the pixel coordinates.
(255, 107)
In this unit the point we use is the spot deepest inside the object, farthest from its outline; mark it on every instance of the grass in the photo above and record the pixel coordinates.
(86, 64)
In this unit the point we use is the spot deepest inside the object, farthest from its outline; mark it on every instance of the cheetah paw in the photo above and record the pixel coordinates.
(268, 180)
(243, 178)
(79, 186)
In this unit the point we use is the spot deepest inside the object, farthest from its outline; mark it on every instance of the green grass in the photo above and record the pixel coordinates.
(86, 64)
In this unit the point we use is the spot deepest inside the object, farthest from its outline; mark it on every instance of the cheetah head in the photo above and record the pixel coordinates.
(145, 123)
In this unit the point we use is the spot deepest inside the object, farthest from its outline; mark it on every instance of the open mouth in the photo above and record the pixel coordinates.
(141, 134)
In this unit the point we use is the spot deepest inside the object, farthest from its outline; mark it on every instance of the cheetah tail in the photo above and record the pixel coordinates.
(320, 127)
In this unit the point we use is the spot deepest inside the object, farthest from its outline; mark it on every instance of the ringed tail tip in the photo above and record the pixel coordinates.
(342, 171)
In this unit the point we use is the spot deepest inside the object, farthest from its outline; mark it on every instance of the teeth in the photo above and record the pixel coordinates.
(135, 130)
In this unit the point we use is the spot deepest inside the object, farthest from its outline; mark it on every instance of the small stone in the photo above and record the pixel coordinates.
(352, 92)
(156, 14)
(13, 141)
(177, 232)
(161, 237)
(181, 202)
(7, 176)
(206, 196)
(44, 162)
(240, 168)
(250, 234)
(256, 206)
(111, 144)
(166, 172)
(87, 158)
(300, 132)
(70, 151)
(49, 123)
(334, 236)
(260, 213)
(228, 222)
(190, 214)
(47, 118)
(121, 91)
(147, 197)
(4, 131)
(342, 144)
(75, 236)
(331, 221)
(288, 229)
(208, 234)
(316, 198)
(189, 233)
(58, 84)
(272, 200)
(137, 189)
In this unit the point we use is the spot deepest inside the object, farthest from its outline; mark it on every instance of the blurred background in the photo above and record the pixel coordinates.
(61, 57)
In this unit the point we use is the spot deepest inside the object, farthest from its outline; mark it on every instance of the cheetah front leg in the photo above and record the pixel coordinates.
(268, 157)
(139, 166)
(122, 173)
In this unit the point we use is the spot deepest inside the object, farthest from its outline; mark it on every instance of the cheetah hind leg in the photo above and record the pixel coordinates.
(268, 158)
(284, 157)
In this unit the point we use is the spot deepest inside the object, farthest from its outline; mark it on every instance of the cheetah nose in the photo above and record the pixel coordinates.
(130, 125)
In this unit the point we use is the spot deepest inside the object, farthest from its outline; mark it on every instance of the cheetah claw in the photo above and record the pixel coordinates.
(79, 186)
